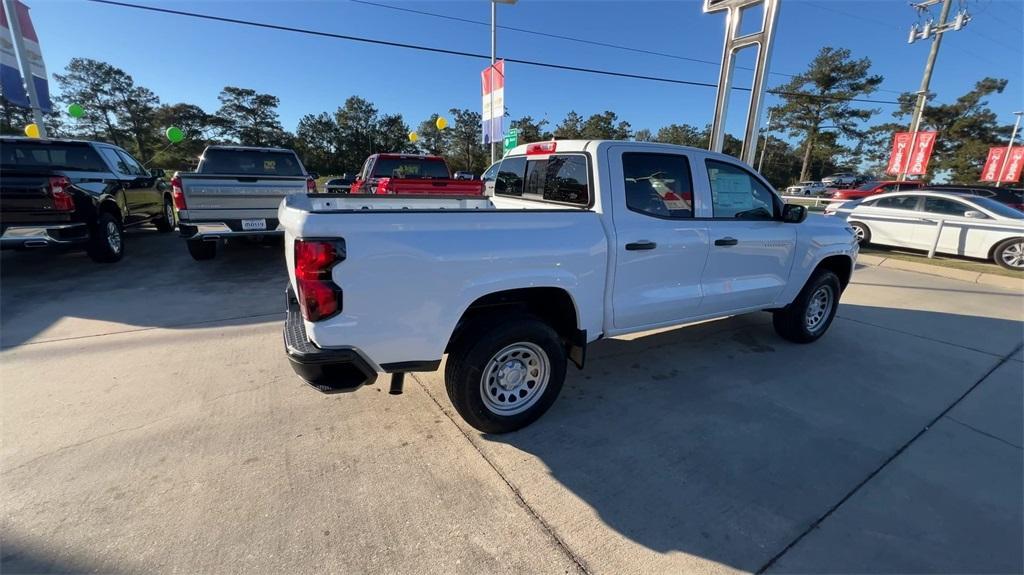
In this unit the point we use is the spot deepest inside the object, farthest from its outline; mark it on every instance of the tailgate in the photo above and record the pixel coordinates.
(24, 195)
(219, 192)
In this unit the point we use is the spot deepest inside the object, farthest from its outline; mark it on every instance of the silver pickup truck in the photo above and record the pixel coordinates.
(235, 191)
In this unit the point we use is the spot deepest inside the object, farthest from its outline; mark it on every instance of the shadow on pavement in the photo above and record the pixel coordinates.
(723, 441)
(157, 284)
(17, 559)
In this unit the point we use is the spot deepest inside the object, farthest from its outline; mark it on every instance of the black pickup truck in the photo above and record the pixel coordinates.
(68, 193)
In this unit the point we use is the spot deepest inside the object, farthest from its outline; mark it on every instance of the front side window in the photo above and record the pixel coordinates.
(116, 161)
(897, 203)
(658, 184)
(735, 193)
(562, 178)
(134, 168)
(945, 207)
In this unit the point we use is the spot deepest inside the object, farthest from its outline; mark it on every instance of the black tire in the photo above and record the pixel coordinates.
(200, 250)
(165, 223)
(862, 232)
(471, 358)
(106, 239)
(1009, 254)
(796, 323)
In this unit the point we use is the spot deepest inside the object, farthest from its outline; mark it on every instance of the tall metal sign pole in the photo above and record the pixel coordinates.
(762, 40)
(934, 31)
(494, 47)
(24, 64)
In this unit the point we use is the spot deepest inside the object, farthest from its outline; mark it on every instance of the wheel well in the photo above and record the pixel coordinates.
(110, 207)
(839, 265)
(992, 250)
(553, 305)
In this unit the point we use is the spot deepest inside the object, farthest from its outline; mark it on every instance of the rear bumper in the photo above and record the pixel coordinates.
(328, 370)
(42, 236)
(213, 230)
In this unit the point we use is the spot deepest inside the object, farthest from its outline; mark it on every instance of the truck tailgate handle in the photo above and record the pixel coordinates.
(726, 241)
(641, 245)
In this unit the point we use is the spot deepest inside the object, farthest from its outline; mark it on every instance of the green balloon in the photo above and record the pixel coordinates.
(76, 111)
(175, 135)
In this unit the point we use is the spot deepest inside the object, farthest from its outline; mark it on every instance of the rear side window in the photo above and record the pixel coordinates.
(115, 159)
(56, 156)
(658, 185)
(251, 162)
(411, 168)
(562, 178)
(897, 203)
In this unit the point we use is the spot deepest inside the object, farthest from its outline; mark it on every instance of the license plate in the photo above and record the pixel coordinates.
(253, 225)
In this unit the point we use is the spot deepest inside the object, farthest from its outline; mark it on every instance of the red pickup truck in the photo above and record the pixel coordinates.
(875, 187)
(411, 174)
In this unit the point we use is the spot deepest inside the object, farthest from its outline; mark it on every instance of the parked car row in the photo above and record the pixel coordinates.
(953, 223)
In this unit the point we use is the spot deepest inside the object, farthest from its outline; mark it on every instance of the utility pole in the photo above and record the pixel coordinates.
(935, 32)
(494, 47)
(25, 65)
(767, 132)
(1009, 149)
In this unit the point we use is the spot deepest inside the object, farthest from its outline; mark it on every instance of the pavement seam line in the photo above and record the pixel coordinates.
(917, 335)
(136, 330)
(985, 433)
(580, 563)
(828, 513)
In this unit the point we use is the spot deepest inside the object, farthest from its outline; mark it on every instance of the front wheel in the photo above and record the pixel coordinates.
(1010, 254)
(506, 373)
(165, 223)
(812, 312)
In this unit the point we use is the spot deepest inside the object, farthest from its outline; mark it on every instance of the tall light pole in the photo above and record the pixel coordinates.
(767, 135)
(1009, 149)
(494, 48)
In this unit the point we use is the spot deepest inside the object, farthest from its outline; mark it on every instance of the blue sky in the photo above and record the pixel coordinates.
(188, 60)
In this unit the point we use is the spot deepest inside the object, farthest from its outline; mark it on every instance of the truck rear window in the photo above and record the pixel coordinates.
(50, 156)
(255, 162)
(412, 168)
(562, 178)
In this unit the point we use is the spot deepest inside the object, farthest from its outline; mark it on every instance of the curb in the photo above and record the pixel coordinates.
(952, 273)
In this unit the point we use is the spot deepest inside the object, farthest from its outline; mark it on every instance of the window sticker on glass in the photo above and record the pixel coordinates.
(732, 191)
(269, 165)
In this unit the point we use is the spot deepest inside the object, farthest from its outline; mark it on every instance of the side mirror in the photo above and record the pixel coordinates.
(975, 215)
(794, 213)
(157, 172)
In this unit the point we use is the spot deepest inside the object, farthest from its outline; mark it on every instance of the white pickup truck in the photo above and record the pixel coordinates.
(235, 191)
(578, 240)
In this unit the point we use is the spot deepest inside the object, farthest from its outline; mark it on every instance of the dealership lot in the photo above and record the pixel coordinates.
(152, 423)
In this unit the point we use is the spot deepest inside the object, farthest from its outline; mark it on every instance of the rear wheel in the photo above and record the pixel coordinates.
(505, 372)
(106, 241)
(165, 223)
(201, 250)
(812, 312)
(862, 233)
(1010, 254)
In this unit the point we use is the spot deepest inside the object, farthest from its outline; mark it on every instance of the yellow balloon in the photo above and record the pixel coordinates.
(32, 131)
(441, 123)
(413, 136)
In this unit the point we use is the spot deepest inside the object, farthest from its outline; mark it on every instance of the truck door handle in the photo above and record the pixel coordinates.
(641, 245)
(726, 241)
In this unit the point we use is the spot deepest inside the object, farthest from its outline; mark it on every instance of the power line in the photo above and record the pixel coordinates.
(461, 53)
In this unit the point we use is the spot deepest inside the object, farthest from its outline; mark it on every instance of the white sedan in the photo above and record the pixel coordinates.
(971, 226)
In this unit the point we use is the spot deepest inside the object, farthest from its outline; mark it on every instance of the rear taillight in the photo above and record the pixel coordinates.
(177, 193)
(311, 185)
(60, 188)
(319, 297)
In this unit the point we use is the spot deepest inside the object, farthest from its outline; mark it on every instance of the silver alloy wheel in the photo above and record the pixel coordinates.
(819, 308)
(515, 378)
(1013, 255)
(114, 237)
(169, 213)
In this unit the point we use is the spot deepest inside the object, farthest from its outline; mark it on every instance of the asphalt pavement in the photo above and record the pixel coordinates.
(151, 423)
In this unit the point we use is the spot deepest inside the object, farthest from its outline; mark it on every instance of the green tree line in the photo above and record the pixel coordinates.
(817, 128)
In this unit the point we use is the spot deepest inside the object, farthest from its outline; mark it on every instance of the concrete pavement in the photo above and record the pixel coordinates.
(151, 423)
